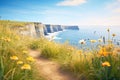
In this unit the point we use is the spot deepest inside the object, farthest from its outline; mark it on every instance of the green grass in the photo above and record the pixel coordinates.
(12, 44)
(85, 64)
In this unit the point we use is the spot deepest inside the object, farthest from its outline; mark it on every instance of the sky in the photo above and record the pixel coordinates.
(64, 12)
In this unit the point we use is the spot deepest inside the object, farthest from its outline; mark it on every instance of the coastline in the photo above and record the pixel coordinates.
(52, 36)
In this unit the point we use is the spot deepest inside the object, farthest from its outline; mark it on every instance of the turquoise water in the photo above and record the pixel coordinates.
(86, 33)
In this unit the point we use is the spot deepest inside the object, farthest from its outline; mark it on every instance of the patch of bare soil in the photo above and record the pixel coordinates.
(49, 69)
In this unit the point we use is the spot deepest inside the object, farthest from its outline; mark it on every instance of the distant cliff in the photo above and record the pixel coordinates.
(38, 30)
(71, 27)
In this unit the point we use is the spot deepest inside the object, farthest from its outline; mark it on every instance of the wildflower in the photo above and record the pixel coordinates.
(93, 41)
(30, 59)
(82, 41)
(26, 67)
(14, 58)
(8, 39)
(25, 52)
(109, 47)
(19, 62)
(100, 40)
(103, 52)
(106, 64)
(113, 35)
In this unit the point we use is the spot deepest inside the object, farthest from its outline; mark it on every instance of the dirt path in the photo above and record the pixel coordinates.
(49, 69)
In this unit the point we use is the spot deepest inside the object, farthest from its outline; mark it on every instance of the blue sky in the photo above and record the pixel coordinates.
(66, 12)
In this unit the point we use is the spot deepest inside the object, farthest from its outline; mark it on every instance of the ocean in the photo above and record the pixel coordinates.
(87, 33)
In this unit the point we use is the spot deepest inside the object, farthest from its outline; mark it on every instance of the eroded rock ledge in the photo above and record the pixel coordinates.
(38, 30)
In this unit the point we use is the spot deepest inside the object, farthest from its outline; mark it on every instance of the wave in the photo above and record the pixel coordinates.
(52, 36)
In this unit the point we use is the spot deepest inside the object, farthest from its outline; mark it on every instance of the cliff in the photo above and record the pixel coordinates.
(49, 28)
(71, 27)
(35, 30)
(57, 28)
(38, 30)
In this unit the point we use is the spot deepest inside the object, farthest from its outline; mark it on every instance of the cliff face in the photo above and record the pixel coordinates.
(49, 28)
(52, 28)
(57, 28)
(29, 31)
(35, 30)
(45, 30)
(71, 27)
(38, 30)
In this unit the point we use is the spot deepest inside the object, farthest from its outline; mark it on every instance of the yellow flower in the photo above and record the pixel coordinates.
(26, 67)
(25, 52)
(93, 41)
(30, 59)
(14, 58)
(106, 64)
(19, 62)
(113, 35)
(103, 51)
(6, 39)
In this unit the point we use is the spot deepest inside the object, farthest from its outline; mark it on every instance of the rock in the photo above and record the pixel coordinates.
(49, 28)
(37, 29)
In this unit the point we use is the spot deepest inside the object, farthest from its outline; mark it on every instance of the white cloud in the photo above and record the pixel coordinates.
(71, 2)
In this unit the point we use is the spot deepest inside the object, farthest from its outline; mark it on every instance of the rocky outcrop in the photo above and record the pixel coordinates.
(45, 30)
(28, 30)
(52, 28)
(49, 28)
(35, 30)
(57, 28)
(38, 30)
(60, 28)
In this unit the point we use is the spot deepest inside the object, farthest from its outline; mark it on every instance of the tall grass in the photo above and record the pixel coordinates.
(101, 62)
(15, 62)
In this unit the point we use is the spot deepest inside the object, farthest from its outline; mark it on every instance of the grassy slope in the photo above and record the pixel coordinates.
(14, 48)
(100, 63)
(84, 64)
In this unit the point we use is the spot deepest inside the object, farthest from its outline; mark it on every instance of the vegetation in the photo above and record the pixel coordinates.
(15, 61)
(96, 63)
